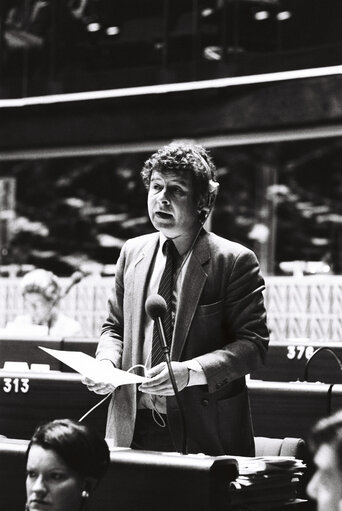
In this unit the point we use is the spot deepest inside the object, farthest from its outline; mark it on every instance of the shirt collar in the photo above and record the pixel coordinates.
(162, 240)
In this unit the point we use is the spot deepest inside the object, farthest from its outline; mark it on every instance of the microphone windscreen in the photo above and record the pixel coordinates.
(76, 277)
(155, 306)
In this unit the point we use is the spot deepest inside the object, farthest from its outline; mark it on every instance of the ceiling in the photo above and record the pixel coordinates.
(55, 46)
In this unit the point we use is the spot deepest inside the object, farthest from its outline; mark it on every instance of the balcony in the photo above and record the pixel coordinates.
(63, 46)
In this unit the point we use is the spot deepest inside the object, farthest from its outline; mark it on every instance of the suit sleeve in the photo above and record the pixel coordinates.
(111, 340)
(244, 326)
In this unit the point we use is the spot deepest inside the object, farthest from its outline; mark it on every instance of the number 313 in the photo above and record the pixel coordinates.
(16, 385)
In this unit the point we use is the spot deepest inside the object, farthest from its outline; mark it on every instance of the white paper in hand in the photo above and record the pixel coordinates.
(93, 369)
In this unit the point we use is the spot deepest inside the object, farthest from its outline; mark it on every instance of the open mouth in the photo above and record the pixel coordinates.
(165, 216)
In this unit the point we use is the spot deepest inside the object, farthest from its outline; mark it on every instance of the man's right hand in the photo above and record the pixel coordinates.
(100, 387)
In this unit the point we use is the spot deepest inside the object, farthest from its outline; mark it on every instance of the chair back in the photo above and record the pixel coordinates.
(288, 446)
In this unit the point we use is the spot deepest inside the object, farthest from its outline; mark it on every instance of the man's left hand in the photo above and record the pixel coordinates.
(160, 382)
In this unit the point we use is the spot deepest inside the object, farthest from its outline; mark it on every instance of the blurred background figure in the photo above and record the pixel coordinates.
(42, 294)
(325, 442)
(65, 462)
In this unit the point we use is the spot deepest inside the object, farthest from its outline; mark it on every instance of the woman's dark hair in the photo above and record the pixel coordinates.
(81, 448)
(327, 430)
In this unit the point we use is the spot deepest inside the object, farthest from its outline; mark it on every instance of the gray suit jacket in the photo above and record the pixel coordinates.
(220, 321)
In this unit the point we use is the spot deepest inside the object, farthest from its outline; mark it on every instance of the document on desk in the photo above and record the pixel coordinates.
(93, 369)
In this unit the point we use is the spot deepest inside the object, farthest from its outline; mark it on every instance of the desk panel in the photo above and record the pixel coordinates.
(279, 409)
(26, 350)
(12, 474)
(140, 481)
(282, 409)
(286, 362)
(135, 481)
(87, 345)
(28, 398)
(145, 481)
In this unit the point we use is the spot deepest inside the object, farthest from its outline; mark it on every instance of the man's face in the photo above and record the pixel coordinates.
(171, 203)
(326, 484)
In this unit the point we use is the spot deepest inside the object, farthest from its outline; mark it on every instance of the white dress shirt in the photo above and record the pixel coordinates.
(196, 374)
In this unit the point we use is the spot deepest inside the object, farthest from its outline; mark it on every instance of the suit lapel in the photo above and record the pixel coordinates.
(141, 278)
(192, 287)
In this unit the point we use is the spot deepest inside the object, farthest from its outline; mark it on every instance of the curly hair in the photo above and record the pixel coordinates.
(180, 156)
(43, 282)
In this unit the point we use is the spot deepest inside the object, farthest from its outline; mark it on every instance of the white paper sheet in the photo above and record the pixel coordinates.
(93, 369)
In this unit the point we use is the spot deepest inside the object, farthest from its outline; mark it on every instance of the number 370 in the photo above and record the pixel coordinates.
(298, 352)
(16, 385)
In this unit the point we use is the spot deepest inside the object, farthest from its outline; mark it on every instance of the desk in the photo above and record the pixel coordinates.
(281, 409)
(29, 398)
(26, 350)
(12, 474)
(286, 362)
(135, 481)
(146, 481)
(139, 481)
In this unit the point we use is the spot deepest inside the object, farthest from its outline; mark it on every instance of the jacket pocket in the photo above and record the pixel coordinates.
(210, 308)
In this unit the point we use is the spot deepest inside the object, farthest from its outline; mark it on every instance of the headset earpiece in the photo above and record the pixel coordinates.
(213, 188)
(204, 210)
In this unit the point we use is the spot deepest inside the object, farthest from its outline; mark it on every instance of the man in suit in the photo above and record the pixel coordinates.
(218, 319)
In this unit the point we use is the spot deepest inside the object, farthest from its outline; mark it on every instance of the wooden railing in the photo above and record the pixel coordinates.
(297, 307)
(86, 302)
(305, 307)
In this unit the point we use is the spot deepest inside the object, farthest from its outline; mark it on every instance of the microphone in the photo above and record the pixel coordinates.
(322, 348)
(75, 278)
(155, 307)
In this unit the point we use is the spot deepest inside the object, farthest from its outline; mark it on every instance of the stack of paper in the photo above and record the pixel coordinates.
(265, 482)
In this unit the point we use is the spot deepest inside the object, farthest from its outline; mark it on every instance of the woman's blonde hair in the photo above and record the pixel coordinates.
(43, 282)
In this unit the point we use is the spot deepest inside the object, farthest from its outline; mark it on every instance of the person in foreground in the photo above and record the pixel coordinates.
(325, 442)
(65, 461)
(42, 294)
(217, 317)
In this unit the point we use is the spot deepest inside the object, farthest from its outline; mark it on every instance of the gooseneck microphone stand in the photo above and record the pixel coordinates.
(338, 360)
(156, 307)
(76, 277)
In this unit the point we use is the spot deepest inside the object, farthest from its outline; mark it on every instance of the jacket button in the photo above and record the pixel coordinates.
(205, 402)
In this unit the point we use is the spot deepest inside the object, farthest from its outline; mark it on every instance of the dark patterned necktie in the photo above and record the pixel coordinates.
(165, 290)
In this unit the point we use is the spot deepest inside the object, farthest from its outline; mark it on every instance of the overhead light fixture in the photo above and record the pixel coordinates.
(213, 53)
(284, 15)
(93, 27)
(207, 12)
(112, 30)
(261, 15)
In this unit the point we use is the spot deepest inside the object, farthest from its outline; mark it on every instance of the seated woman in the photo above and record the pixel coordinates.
(65, 462)
(42, 295)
